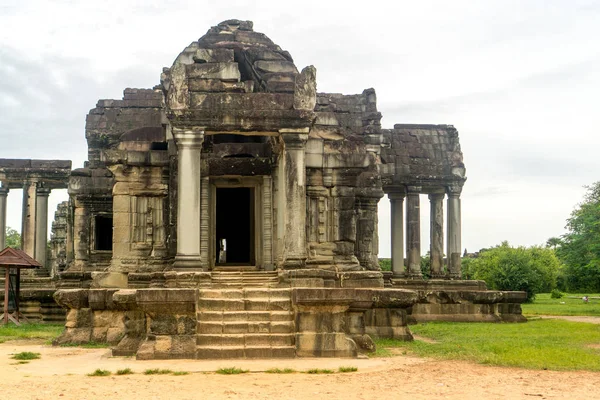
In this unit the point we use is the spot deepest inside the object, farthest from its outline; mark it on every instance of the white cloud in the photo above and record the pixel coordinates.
(518, 79)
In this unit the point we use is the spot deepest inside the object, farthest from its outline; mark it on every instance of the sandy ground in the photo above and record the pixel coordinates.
(61, 373)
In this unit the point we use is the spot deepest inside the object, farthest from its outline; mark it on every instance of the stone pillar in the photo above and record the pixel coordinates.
(3, 196)
(41, 224)
(454, 232)
(413, 232)
(267, 223)
(295, 197)
(28, 218)
(70, 240)
(436, 235)
(189, 147)
(397, 210)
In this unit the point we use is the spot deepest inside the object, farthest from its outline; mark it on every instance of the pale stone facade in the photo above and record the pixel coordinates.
(231, 211)
(234, 126)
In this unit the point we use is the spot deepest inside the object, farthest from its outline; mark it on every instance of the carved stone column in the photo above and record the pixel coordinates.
(41, 224)
(436, 235)
(189, 146)
(293, 182)
(3, 196)
(267, 223)
(397, 210)
(413, 232)
(454, 232)
(28, 218)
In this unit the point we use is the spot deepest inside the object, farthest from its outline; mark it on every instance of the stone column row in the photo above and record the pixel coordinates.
(34, 223)
(412, 267)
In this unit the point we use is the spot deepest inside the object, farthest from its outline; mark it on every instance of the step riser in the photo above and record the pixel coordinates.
(244, 293)
(281, 304)
(253, 316)
(247, 352)
(218, 328)
(248, 340)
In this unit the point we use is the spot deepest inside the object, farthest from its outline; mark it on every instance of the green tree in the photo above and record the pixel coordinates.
(529, 269)
(579, 249)
(553, 243)
(13, 238)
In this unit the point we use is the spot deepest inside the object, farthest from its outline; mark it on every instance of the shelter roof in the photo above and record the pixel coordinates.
(15, 258)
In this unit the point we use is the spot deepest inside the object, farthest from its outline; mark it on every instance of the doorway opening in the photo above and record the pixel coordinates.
(235, 226)
(103, 233)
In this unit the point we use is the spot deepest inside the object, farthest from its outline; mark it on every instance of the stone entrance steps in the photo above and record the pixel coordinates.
(245, 323)
(244, 278)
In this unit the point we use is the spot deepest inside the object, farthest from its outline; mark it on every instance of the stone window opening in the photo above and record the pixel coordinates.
(103, 232)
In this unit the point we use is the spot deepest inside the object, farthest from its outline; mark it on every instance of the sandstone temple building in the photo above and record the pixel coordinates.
(234, 186)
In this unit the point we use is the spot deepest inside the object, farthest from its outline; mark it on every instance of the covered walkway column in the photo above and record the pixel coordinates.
(41, 224)
(413, 232)
(436, 232)
(293, 181)
(397, 210)
(454, 232)
(28, 218)
(3, 196)
(189, 146)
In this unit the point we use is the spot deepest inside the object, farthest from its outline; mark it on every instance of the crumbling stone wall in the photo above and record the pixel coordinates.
(58, 239)
(343, 183)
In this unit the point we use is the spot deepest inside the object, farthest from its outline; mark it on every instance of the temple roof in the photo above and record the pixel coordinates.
(258, 59)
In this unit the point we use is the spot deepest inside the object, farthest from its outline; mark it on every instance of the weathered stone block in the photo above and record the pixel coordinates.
(224, 71)
(325, 345)
(72, 298)
(213, 55)
(275, 66)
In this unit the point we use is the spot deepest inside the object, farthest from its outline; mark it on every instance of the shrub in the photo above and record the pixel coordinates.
(26, 355)
(126, 371)
(529, 269)
(556, 294)
(100, 372)
(231, 371)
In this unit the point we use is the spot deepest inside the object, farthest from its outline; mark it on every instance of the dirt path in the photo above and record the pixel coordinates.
(61, 372)
(573, 318)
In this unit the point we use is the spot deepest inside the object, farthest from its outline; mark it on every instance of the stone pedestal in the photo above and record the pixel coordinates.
(436, 232)
(3, 196)
(454, 233)
(321, 322)
(189, 147)
(397, 203)
(41, 224)
(293, 181)
(413, 232)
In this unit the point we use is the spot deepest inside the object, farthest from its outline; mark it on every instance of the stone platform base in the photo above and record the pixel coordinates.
(462, 301)
(164, 323)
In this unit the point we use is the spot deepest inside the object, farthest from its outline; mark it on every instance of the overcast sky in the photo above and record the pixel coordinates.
(518, 79)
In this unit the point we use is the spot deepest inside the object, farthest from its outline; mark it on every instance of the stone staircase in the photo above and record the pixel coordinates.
(224, 279)
(245, 323)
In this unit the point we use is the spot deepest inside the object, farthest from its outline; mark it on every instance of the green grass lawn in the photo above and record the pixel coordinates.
(570, 304)
(30, 331)
(538, 344)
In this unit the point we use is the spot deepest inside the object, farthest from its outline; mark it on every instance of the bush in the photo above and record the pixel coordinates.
(556, 294)
(529, 269)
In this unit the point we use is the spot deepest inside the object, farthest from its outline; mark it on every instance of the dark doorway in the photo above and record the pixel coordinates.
(235, 226)
(103, 232)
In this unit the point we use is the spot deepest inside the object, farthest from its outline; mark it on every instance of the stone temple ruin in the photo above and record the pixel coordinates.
(231, 211)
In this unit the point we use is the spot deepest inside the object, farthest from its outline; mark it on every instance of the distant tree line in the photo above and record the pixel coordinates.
(13, 238)
(579, 248)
